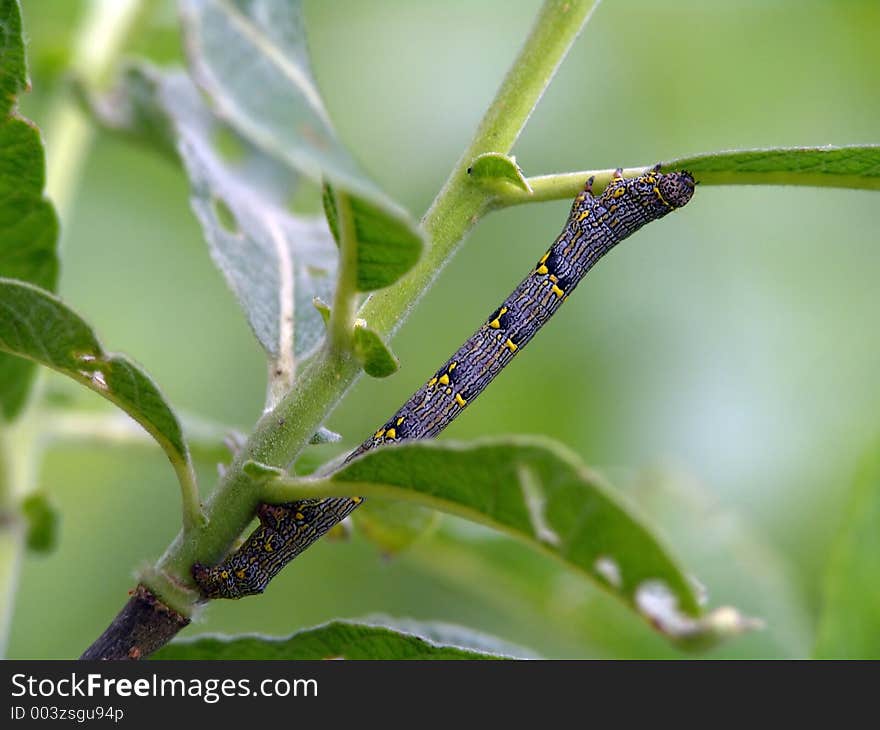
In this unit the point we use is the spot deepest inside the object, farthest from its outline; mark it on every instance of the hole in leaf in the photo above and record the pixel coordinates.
(228, 145)
(225, 216)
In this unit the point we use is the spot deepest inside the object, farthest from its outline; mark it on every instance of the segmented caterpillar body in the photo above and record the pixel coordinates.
(595, 225)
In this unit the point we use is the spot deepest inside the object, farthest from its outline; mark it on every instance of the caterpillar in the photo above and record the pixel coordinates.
(594, 226)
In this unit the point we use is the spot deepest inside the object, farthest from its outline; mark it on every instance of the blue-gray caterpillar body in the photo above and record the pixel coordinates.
(595, 225)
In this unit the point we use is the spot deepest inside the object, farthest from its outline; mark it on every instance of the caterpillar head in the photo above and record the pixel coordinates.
(675, 188)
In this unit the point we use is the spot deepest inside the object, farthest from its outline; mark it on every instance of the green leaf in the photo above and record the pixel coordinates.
(857, 166)
(372, 639)
(274, 261)
(392, 525)
(384, 252)
(13, 74)
(38, 326)
(250, 57)
(849, 626)
(323, 309)
(537, 492)
(494, 168)
(259, 471)
(374, 355)
(28, 224)
(42, 519)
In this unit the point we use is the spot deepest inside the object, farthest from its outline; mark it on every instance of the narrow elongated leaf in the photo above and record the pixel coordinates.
(274, 261)
(250, 57)
(849, 627)
(38, 326)
(857, 166)
(536, 491)
(28, 224)
(372, 639)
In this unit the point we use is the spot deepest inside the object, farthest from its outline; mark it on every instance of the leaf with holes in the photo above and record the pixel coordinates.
(250, 57)
(274, 261)
(370, 639)
(539, 493)
(38, 326)
(28, 224)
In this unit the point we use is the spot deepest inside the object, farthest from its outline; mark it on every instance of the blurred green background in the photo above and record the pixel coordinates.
(721, 367)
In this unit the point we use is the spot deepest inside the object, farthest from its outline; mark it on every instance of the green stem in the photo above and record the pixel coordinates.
(191, 503)
(11, 551)
(7, 496)
(345, 299)
(11, 540)
(324, 379)
(69, 133)
(462, 202)
(563, 186)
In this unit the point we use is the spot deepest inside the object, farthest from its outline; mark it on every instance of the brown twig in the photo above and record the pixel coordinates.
(142, 627)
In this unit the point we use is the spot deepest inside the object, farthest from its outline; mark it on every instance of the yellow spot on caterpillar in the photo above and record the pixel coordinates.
(510, 344)
(660, 196)
(584, 215)
(299, 516)
(557, 291)
(391, 434)
(381, 432)
(267, 546)
(453, 364)
(432, 382)
(239, 574)
(444, 379)
(400, 420)
(494, 324)
(553, 278)
(224, 574)
(542, 269)
(449, 391)
(357, 500)
(620, 192)
(461, 401)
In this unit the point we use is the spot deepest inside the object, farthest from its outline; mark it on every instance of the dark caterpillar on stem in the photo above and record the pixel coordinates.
(595, 225)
